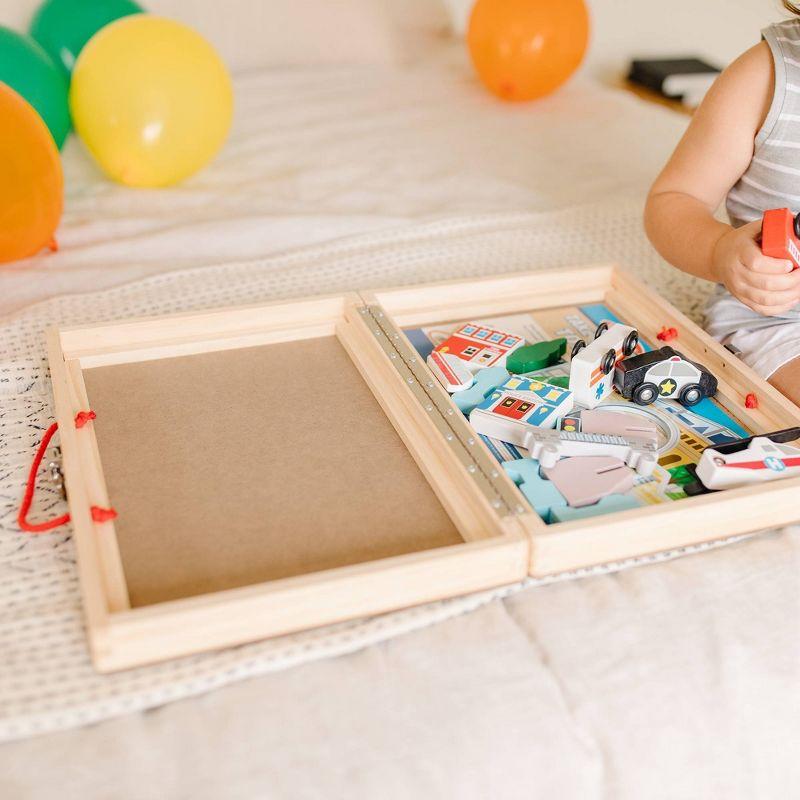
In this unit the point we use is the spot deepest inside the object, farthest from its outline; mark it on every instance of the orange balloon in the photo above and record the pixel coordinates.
(31, 181)
(524, 49)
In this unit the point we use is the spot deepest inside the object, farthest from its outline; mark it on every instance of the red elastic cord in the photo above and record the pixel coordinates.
(27, 499)
(98, 514)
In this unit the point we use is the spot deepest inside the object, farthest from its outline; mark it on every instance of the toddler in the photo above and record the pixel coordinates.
(743, 145)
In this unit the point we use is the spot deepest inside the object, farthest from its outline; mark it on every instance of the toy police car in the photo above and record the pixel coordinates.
(663, 374)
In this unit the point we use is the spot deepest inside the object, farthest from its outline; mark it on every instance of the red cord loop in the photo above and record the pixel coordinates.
(27, 499)
(99, 514)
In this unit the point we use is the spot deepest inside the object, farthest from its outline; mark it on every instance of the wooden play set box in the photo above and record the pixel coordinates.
(262, 488)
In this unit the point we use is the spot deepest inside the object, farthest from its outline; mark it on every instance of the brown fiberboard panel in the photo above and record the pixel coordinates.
(236, 467)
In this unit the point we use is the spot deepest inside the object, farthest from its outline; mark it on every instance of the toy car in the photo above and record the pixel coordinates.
(591, 372)
(663, 374)
(754, 460)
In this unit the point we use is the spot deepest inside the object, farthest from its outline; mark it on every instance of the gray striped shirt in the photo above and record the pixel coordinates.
(773, 178)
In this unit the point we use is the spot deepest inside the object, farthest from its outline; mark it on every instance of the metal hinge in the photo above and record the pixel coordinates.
(461, 438)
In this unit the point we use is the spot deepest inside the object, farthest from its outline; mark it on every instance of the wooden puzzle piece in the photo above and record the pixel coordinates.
(585, 481)
(591, 373)
(535, 356)
(480, 345)
(486, 381)
(539, 492)
(608, 505)
(451, 371)
(613, 423)
(520, 400)
(549, 446)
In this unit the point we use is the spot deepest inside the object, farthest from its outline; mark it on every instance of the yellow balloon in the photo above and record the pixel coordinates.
(151, 100)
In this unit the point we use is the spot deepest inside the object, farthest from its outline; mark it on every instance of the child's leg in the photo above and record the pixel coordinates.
(770, 345)
(787, 380)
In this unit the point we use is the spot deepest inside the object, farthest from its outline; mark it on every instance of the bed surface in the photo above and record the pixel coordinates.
(671, 680)
(323, 153)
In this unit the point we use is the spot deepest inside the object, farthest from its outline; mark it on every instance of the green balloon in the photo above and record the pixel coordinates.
(62, 27)
(31, 73)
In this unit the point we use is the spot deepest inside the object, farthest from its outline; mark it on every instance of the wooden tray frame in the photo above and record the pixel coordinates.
(503, 542)
(612, 537)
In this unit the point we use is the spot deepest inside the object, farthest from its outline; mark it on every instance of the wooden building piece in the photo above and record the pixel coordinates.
(480, 345)
(451, 371)
(521, 400)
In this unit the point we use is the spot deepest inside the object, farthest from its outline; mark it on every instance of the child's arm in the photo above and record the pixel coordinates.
(710, 158)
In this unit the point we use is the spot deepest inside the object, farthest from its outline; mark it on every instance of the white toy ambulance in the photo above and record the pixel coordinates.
(761, 460)
(591, 372)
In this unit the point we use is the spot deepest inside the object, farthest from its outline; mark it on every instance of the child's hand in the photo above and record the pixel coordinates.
(767, 285)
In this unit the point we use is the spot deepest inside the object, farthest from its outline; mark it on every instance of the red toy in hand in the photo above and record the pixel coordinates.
(780, 235)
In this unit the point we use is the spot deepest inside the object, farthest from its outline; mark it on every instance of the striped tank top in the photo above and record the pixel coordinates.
(773, 178)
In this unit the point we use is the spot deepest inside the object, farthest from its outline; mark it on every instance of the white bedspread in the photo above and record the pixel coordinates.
(672, 680)
(320, 154)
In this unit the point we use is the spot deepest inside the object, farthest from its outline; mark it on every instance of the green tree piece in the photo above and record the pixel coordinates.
(531, 357)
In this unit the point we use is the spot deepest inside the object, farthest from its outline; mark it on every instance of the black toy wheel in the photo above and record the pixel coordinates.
(629, 345)
(608, 362)
(600, 330)
(577, 347)
(691, 395)
(645, 393)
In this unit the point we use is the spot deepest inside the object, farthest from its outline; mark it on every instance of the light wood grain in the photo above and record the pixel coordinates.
(202, 623)
(106, 545)
(185, 334)
(653, 529)
(423, 304)
(78, 485)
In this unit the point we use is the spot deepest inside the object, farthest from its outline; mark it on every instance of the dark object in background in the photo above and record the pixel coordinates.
(685, 79)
